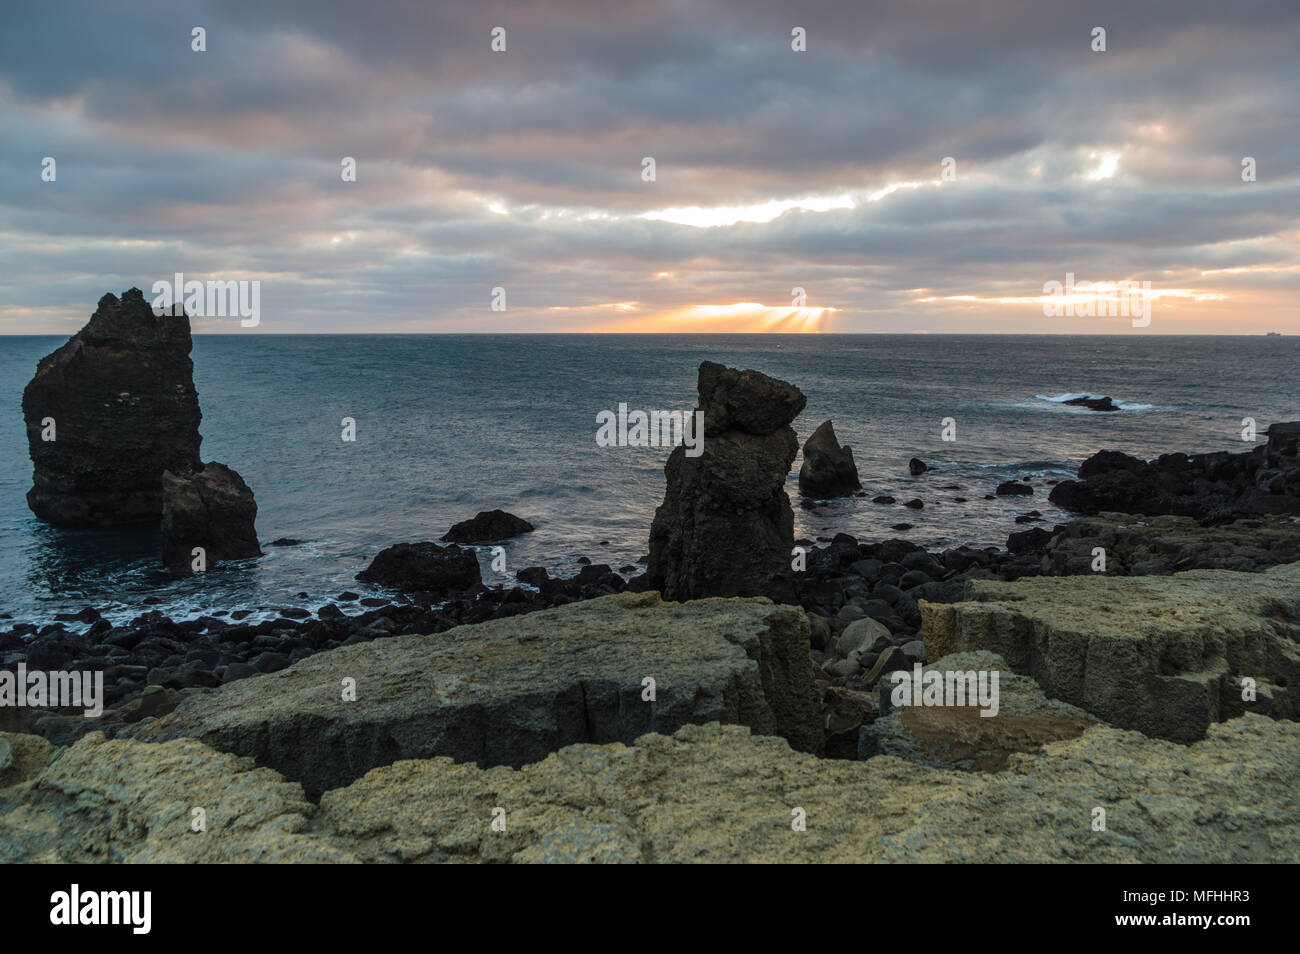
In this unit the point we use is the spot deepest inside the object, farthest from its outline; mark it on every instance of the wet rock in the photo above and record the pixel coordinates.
(424, 566)
(916, 467)
(210, 508)
(488, 526)
(828, 469)
(1012, 488)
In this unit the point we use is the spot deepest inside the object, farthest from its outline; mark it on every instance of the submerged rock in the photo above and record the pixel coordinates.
(1093, 403)
(725, 527)
(489, 525)
(119, 401)
(211, 508)
(828, 469)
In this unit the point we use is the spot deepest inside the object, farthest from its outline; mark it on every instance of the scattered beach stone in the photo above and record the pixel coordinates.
(487, 526)
(828, 469)
(1029, 541)
(915, 504)
(900, 526)
(347, 596)
(916, 467)
(1011, 488)
(882, 499)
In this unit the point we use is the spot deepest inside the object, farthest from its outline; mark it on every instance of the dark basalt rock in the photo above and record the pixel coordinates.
(748, 401)
(725, 527)
(211, 508)
(1093, 404)
(828, 469)
(487, 526)
(121, 394)
(916, 467)
(1028, 541)
(424, 566)
(1011, 488)
(1211, 487)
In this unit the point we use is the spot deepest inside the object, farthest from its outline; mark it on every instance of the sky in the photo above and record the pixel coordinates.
(774, 169)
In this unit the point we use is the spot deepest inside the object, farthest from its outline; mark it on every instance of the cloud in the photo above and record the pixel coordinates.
(774, 168)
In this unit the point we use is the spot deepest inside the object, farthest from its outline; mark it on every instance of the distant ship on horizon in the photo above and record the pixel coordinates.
(1272, 334)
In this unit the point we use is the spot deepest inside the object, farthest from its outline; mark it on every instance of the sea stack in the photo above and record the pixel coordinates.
(828, 469)
(108, 413)
(725, 527)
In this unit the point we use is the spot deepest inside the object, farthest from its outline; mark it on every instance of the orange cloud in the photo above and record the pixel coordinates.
(740, 317)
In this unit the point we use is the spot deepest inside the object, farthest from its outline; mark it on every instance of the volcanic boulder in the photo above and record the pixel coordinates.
(119, 400)
(725, 527)
(424, 567)
(211, 508)
(488, 525)
(828, 469)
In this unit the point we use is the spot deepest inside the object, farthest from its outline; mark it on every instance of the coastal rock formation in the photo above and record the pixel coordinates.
(1211, 487)
(916, 467)
(828, 469)
(708, 793)
(512, 691)
(1159, 546)
(1013, 488)
(958, 736)
(102, 801)
(1164, 655)
(210, 508)
(487, 526)
(118, 399)
(725, 527)
(1093, 403)
(424, 567)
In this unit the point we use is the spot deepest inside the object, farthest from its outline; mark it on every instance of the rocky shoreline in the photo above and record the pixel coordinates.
(1125, 637)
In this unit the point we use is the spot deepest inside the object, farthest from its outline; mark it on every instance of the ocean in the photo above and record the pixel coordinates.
(448, 425)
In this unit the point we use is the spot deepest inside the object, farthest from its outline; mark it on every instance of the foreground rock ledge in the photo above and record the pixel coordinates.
(706, 794)
(512, 691)
(1163, 655)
